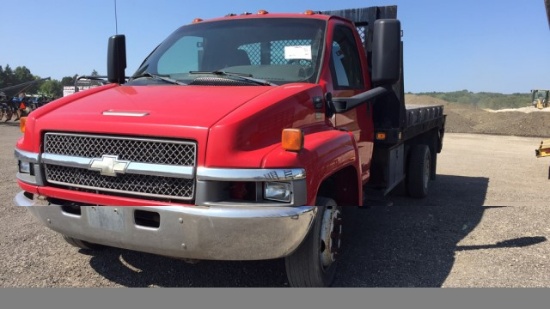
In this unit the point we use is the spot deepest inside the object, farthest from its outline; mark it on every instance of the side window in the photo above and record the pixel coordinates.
(182, 57)
(345, 61)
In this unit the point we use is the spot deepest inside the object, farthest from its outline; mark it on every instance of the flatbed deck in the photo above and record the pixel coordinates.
(419, 119)
(421, 113)
(423, 118)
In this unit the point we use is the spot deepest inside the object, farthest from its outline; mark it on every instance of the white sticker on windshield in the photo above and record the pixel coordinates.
(298, 52)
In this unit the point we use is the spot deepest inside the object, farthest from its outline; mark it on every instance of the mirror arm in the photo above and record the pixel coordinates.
(345, 104)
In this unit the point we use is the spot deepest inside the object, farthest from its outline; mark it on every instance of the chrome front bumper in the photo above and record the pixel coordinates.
(191, 232)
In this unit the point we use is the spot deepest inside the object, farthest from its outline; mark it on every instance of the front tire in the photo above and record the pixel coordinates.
(81, 243)
(314, 263)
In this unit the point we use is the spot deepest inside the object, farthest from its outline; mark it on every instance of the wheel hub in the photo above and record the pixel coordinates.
(331, 236)
(426, 172)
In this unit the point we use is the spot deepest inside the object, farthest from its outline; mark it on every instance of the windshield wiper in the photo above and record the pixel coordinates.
(243, 76)
(159, 77)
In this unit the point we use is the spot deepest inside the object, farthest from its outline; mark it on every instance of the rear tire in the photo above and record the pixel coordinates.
(314, 263)
(81, 243)
(418, 176)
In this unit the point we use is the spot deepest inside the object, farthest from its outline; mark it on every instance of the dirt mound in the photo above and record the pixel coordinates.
(525, 121)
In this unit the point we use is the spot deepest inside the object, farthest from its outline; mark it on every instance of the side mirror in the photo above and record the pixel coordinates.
(116, 59)
(386, 51)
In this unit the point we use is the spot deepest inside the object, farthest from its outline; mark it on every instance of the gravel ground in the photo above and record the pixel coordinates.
(485, 224)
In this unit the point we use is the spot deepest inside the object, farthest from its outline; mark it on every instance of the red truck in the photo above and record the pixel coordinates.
(238, 138)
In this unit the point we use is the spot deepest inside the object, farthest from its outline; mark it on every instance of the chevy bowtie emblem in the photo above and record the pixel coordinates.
(109, 165)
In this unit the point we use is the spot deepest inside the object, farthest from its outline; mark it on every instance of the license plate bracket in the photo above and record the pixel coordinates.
(105, 218)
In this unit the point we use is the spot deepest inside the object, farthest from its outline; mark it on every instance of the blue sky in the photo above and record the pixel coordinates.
(482, 46)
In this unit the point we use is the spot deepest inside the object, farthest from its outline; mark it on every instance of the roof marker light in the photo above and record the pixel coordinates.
(262, 12)
(309, 12)
(197, 20)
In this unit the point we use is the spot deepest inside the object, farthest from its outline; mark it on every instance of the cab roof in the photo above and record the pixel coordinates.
(265, 14)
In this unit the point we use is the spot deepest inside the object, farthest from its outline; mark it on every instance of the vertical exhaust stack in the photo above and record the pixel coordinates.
(547, 5)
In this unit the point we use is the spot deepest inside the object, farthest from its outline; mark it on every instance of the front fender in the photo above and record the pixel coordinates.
(324, 154)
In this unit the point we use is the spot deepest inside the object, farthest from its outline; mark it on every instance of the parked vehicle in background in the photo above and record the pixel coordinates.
(35, 101)
(85, 82)
(539, 98)
(17, 93)
(5, 107)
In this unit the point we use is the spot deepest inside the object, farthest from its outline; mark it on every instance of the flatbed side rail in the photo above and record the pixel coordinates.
(393, 136)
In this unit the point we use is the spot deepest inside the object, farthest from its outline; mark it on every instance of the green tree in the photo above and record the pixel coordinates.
(1, 77)
(52, 88)
(95, 82)
(8, 76)
(22, 75)
(68, 80)
(483, 99)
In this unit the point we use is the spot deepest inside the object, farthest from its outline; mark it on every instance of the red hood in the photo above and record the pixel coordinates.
(205, 114)
(163, 106)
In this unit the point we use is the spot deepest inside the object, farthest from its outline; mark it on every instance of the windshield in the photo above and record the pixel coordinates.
(274, 50)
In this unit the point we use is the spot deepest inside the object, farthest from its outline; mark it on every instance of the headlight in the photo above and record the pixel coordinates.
(278, 191)
(24, 167)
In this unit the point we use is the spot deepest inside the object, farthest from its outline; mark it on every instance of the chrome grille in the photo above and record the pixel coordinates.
(131, 149)
(141, 150)
(154, 186)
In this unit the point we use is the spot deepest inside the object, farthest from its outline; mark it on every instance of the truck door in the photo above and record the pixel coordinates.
(348, 78)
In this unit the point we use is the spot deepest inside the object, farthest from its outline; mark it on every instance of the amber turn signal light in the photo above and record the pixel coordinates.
(292, 139)
(22, 124)
(380, 136)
